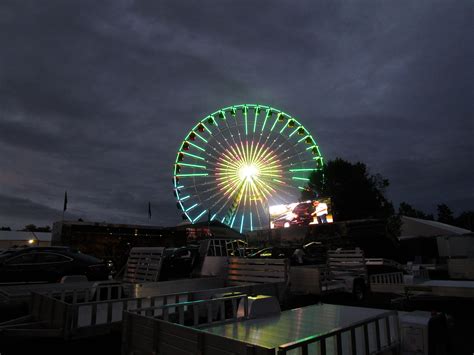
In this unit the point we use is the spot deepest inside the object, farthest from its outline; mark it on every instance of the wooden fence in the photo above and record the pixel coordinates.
(144, 264)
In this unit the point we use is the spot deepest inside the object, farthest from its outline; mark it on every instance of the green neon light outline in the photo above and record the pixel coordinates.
(299, 178)
(193, 174)
(302, 139)
(251, 222)
(192, 155)
(274, 123)
(284, 127)
(184, 198)
(199, 216)
(193, 165)
(296, 130)
(303, 169)
(207, 129)
(257, 109)
(214, 216)
(244, 110)
(204, 139)
(190, 208)
(268, 114)
(242, 223)
(196, 146)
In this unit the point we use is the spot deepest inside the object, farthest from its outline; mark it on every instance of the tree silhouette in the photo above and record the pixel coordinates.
(445, 215)
(465, 220)
(33, 228)
(406, 209)
(354, 192)
(30, 228)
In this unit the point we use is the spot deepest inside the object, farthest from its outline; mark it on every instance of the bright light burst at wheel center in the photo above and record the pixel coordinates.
(248, 171)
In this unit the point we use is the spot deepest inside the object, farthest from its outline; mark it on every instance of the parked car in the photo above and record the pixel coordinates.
(179, 262)
(50, 264)
(308, 254)
(299, 216)
(277, 253)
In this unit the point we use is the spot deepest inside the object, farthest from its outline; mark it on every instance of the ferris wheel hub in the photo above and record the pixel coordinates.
(248, 172)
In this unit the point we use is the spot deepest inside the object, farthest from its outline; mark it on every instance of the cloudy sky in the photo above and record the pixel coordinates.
(96, 96)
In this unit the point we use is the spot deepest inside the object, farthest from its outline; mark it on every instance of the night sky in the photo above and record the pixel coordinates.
(96, 96)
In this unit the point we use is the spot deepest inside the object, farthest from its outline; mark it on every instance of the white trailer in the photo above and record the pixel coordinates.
(81, 312)
(318, 329)
(345, 271)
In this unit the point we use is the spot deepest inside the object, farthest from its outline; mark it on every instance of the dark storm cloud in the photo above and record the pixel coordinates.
(33, 213)
(96, 96)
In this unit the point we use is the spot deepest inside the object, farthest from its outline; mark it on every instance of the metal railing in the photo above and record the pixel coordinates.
(89, 294)
(109, 311)
(336, 335)
(391, 278)
(384, 262)
(200, 312)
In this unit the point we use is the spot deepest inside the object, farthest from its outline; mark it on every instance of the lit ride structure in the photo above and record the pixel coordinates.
(238, 161)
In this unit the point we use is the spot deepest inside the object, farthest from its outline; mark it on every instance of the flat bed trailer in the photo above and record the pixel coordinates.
(345, 271)
(318, 329)
(396, 283)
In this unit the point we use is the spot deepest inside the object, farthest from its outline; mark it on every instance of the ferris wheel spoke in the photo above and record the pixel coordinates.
(231, 213)
(231, 134)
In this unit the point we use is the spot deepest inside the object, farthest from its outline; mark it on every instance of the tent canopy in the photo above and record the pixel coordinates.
(415, 227)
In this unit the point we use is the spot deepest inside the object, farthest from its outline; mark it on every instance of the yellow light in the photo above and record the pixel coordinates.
(31, 241)
(248, 172)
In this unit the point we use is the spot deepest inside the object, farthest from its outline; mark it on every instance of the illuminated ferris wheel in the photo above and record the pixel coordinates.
(238, 161)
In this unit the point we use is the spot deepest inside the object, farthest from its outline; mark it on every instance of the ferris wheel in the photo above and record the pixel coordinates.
(236, 162)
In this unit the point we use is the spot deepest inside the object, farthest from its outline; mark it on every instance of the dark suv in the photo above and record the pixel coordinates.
(50, 264)
(309, 254)
(178, 262)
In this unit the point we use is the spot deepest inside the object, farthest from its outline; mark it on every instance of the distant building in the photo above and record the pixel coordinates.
(422, 228)
(203, 230)
(430, 241)
(12, 239)
(113, 241)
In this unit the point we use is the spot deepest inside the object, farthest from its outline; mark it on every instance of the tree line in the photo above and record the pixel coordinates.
(357, 194)
(29, 228)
